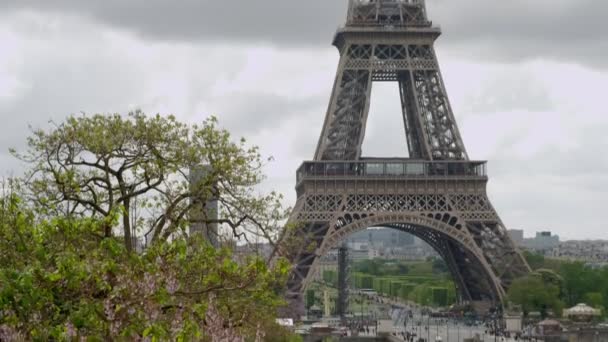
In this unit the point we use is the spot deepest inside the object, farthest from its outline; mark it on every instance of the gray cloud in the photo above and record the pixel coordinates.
(558, 21)
(500, 30)
(579, 163)
(561, 189)
(117, 73)
(518, 30)
(63, 87)
(515, 91)
(287, 21)
(540, 124)
(248, 113)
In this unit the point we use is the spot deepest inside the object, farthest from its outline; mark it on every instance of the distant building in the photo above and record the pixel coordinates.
(543, 241)
(387, 243)
(377, 243)
(359, 254)
(592, 252)
(358, 246)
(517, 235)
(382, 237)
(205, 209)
(420, 252)
(374, 253)
(263, 250)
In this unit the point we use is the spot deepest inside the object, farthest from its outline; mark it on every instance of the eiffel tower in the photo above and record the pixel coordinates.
(437, 194)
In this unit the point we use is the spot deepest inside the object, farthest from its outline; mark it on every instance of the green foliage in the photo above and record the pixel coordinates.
(576, 282)
(439, 296)
(415, 285)
(550, 277)
(395, 287)
(535, 260)
(276, 333)
(405, 290)
(310, 298)
(59, 280)
(534, 294)
(402, 268)
(362, 281)
(439, 266)
(538, 261)
(104, 166)
(67, 269)
(370, 266)
(381, 267)
(385, 286)
(421, 294)
(595, 299)
(330, 277)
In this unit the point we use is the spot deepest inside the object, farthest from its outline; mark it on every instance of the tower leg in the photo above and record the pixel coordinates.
(344, 128)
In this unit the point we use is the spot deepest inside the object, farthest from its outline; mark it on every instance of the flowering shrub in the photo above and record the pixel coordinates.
(61, 279)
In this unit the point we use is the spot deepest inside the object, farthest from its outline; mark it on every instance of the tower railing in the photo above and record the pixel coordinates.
(387, 13)
(399, 168)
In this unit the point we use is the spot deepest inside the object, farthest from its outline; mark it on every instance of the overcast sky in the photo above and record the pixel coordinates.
(528, 82)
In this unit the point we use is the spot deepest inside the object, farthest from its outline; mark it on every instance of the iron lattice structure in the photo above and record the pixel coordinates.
(437, 194)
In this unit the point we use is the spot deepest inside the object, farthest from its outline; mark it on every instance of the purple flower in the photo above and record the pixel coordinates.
(108, 309)
(70, 330)
(172, 285)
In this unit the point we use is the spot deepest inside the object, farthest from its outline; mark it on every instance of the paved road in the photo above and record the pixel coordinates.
(429, 328)
(438, 329)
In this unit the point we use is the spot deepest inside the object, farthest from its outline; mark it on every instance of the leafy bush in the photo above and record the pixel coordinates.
(59, 279)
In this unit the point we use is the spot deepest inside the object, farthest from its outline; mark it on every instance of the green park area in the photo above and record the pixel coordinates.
(423, 282)
(551, 286)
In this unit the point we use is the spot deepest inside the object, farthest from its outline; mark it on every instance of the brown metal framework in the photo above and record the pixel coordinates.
(436, 194)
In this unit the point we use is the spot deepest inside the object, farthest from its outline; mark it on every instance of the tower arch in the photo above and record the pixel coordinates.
(442, 237)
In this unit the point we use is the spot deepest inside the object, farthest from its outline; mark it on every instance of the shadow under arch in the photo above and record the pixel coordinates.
(444, 238)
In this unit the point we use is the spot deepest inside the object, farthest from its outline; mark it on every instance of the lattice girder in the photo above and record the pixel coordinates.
(387, 12)
(422, 224)
(437, 193)
(345, 124)
(429, 123)
(326, 205)
(462, 226)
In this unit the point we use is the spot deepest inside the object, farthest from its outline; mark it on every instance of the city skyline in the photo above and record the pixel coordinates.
(526, 98)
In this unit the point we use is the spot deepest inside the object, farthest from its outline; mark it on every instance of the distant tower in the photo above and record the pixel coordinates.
(437, 194)
(206, 206)
(343, 280)
(326, 303)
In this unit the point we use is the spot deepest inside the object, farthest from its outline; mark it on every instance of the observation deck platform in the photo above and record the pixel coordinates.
(403, 173)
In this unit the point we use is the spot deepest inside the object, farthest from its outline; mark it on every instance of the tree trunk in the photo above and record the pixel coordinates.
(126, 221)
